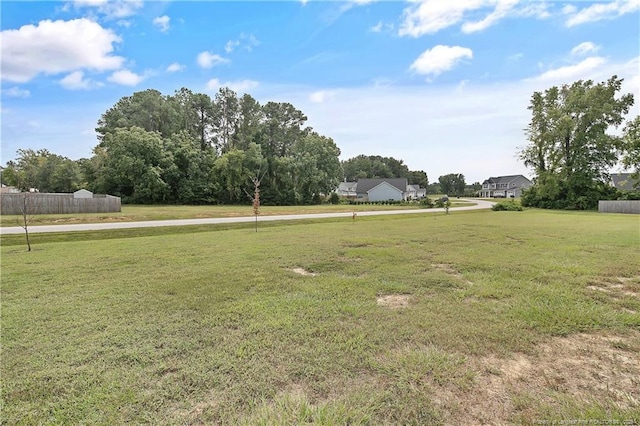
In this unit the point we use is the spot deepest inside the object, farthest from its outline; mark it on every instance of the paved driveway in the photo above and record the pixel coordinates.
(480, 204)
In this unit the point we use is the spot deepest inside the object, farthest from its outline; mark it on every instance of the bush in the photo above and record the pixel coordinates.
(426, 203)
(507, 206)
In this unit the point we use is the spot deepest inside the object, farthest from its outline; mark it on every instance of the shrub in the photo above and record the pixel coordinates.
(507, 206)
(426, 202)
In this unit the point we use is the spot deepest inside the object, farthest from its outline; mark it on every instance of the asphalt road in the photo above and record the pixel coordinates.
(480, 204)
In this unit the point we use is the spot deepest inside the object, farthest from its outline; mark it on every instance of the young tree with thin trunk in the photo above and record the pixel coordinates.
(27, 213)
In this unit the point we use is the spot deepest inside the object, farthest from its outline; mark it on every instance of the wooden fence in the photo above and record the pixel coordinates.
(620, 206)
(37, 203)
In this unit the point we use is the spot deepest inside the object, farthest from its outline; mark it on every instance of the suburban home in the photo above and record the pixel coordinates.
(395, 189)
(504, 186)
(347, 189)
(381, 189)
(414, 192)
(624, 182)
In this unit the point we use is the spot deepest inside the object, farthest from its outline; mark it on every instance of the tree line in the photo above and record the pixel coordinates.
(190, 148)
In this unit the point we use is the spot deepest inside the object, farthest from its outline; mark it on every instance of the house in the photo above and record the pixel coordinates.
(504, 186)
(382, 189)
(414, 192)
(624, 182)
(347, 189)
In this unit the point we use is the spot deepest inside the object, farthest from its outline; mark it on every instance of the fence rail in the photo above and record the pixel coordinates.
(620, 206)
(36, 203)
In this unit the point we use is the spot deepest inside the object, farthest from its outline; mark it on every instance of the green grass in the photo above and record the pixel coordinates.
(209, 325)
(133, 213)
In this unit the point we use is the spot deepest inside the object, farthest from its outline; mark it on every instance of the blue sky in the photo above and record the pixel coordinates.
(443, 85)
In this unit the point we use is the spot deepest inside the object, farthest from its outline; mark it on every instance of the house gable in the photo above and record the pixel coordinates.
(384, 191)
(624, 182)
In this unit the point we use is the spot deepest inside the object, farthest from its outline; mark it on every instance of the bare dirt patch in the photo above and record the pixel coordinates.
(587, 368)
(302, 271)
(617, 287)
(394, 301)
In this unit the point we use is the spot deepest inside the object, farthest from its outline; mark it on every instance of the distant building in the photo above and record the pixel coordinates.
(504, 186)
(624, 182)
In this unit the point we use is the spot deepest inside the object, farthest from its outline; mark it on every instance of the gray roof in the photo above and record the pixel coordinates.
(347, 186)
(504, 179)
(364, 185)
(624, 181)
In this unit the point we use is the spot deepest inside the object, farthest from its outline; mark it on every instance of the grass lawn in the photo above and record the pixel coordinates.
(469, 318)
(133, 213)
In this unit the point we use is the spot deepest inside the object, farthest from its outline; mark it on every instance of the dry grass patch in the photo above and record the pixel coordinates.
(589, 368)
(394, 301)
(617, 287)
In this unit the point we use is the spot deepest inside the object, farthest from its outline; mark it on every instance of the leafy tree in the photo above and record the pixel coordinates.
(234, 172)
(375, 166)
(570, 149)
(225, 120)
(42, 170)
(148, 109)
(631, 147)
(453, 183)
(251, 118)
(189, 171)
(317, 168)
(131, 163)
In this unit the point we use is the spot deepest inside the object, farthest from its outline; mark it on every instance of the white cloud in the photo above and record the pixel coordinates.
(16, 92)
(377, 27)
(208, 59)
(431, 16)
(322, 96)
(501, 10)
(516, 57)
(76, 81)
(162, 22)
(239, 86)
(54, 47)
(569, 73)
(126, 78)
(599, 11)
(245, 41)
(175, 67)
(111, 9)
(231, 44)
(584, 48)
(440, 58)
(569, 9)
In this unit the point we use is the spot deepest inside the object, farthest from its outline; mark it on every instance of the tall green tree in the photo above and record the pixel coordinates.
(130, 165)
(631, 147)
(452, 184)
(570, 149)
(225, 120)
(317, 168)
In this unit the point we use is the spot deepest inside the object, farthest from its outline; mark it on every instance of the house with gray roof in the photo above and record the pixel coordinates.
(504, 186)
(382, 189)
(624, 182)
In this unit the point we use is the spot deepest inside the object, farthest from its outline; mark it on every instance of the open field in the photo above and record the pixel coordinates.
(134, 213)
(471, 318)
